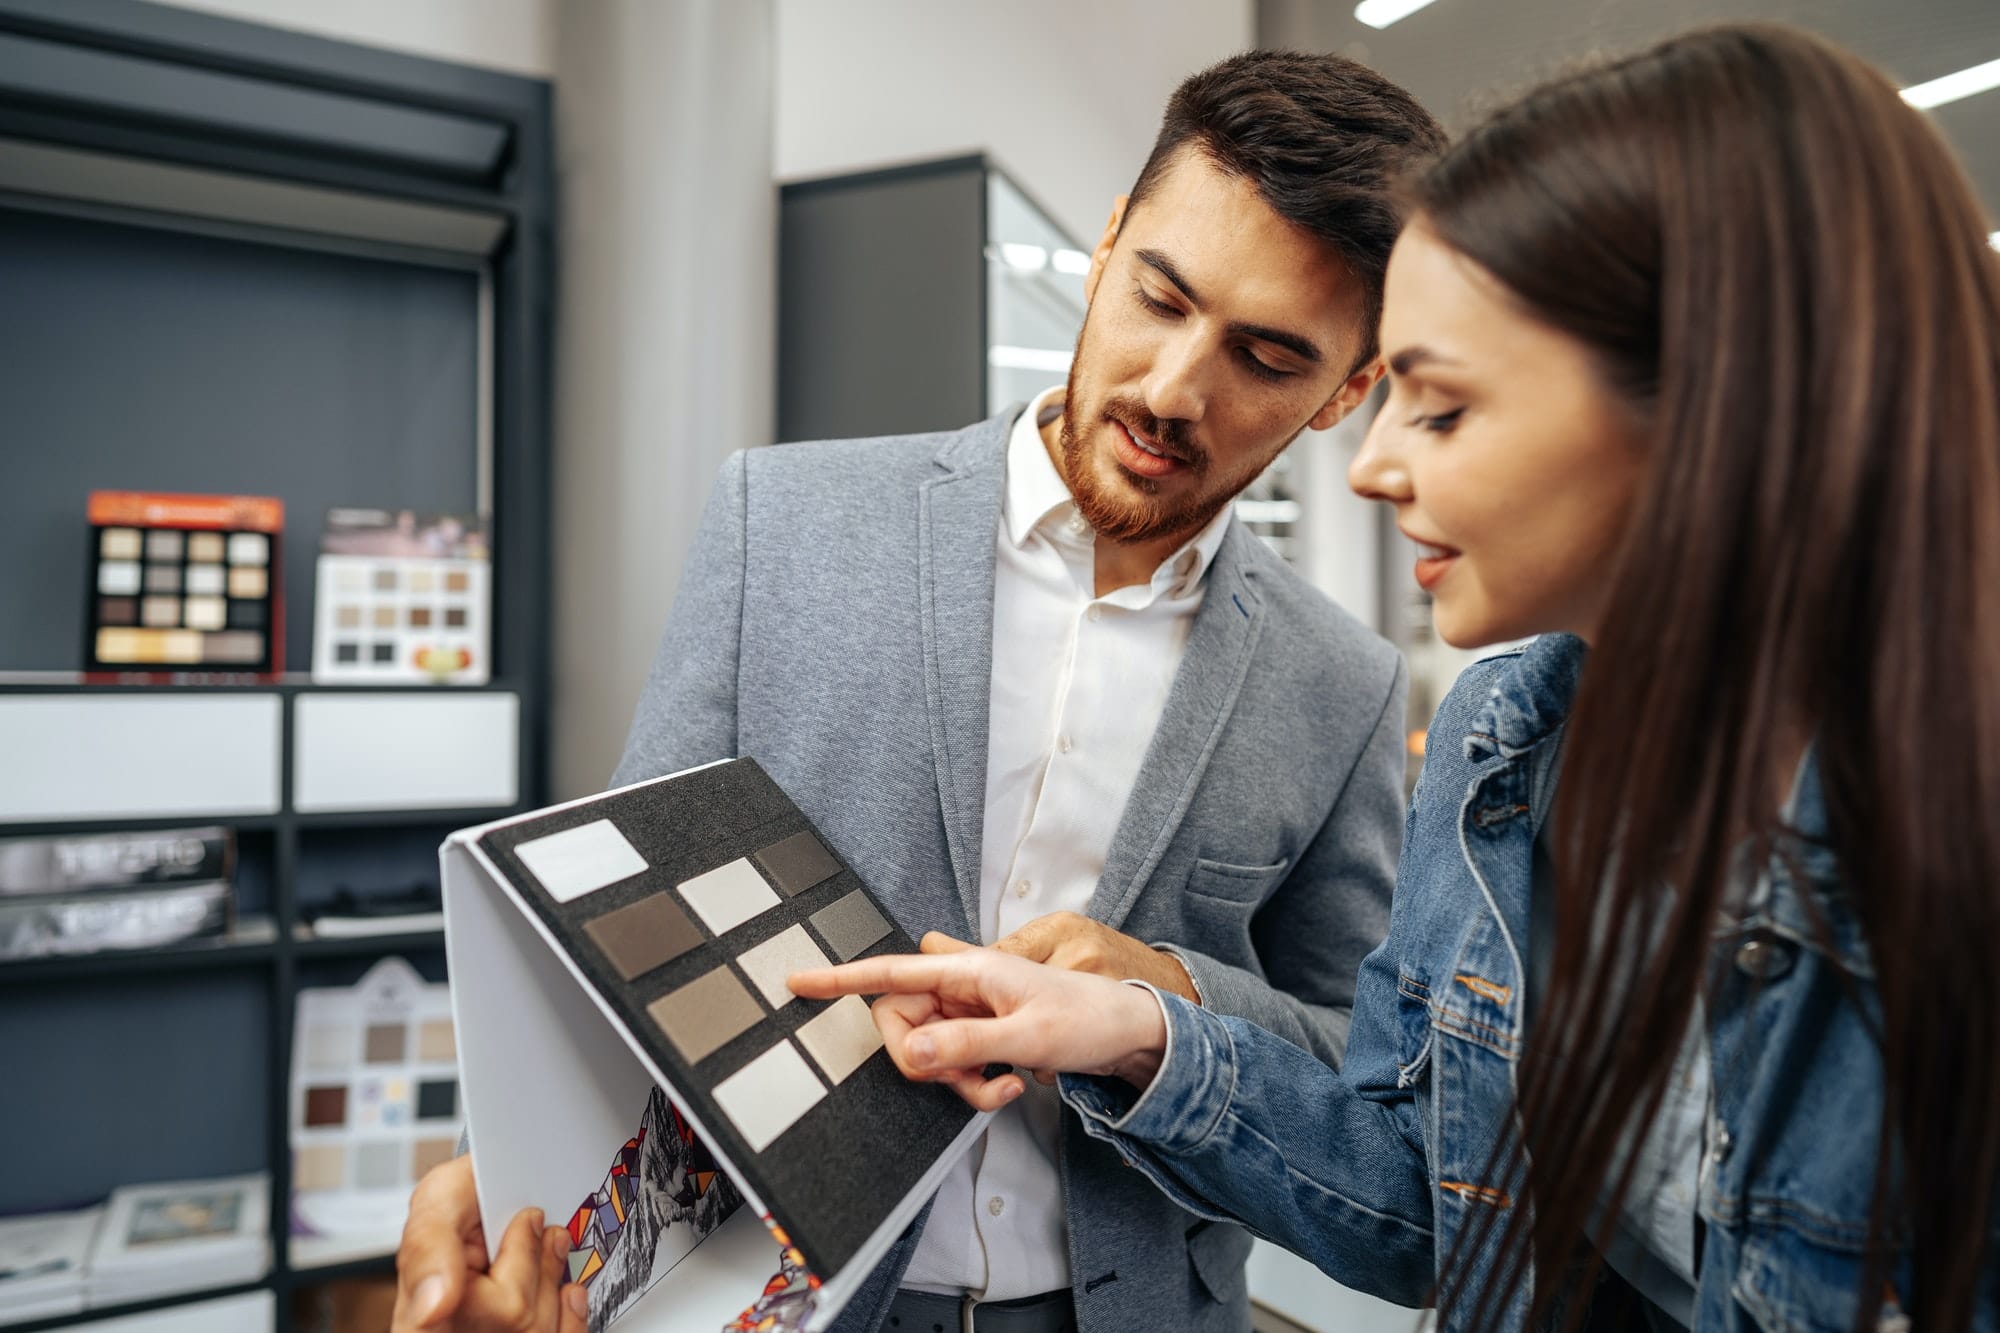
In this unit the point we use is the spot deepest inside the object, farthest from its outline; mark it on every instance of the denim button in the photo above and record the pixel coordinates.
(1763, 958)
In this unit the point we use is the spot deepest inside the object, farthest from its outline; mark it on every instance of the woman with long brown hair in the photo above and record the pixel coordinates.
(1690, 1004)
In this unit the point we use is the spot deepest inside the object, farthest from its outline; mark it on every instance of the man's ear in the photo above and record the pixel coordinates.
(1351, 394)
(1102, 254)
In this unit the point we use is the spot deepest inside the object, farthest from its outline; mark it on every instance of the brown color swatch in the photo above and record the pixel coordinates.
(798, 863)
(385, 1042)
(326, 1106)
(639, 938)
(703, 1015)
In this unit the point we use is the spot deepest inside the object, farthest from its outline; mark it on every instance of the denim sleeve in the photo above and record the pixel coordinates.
(1240, 1124)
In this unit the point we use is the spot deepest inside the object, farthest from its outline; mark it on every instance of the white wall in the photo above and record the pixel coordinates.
(1066, 93)
(517, 36)
(666, 339)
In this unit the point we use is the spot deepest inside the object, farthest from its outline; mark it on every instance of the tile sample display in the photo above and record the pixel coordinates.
(374, 1104)
(402, 598)
(643, 938)
(184, 583)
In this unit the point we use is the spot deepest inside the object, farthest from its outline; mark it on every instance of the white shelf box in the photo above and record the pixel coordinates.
(138, 756)
(405, 750)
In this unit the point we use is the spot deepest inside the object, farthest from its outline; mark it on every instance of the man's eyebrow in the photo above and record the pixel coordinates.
(1297, 344)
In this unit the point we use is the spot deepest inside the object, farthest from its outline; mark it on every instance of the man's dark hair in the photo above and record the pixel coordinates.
(1325, 140)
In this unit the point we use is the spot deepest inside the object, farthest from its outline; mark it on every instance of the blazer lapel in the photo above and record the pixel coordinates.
(956, 526)
(1211, 675)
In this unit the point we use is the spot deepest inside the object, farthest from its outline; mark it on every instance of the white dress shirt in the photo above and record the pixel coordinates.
(1079, 682)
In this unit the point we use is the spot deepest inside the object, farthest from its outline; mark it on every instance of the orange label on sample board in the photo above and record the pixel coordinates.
(243, 513)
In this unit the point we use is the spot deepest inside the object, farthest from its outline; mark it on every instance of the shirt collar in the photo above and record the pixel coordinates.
(1037, 499)
(1035, 490)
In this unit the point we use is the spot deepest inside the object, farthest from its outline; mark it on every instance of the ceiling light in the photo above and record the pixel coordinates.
(1073, 262)
(1381, 13)
(1027, 358)
(1027, 258)
(1936, 92)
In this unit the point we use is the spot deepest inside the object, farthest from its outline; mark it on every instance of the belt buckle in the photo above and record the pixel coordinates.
(965, 1307)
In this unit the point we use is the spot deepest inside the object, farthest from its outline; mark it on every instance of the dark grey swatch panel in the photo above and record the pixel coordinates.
(140, 359)
(834, 1176)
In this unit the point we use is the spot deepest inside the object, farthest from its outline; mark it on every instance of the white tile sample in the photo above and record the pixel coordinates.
(767, 965)
(768, 1095)
(728, 896)
(841, 1037)
(581, 860)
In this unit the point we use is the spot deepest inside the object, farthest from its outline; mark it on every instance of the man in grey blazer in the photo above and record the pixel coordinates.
(1043, 692)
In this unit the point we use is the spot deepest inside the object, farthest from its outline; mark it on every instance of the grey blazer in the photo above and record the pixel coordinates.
(835, 624)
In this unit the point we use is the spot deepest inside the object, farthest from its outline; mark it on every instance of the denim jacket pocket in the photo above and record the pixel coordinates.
(1789, 1284)
(1413, 1021)
(1218, 1252)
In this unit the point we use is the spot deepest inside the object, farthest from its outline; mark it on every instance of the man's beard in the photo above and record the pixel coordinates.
(1113, 513)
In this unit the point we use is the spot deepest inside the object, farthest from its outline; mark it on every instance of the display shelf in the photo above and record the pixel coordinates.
(307, 945)
(315, 1259)
(252, 942)
(175, 1301)
(280, 228)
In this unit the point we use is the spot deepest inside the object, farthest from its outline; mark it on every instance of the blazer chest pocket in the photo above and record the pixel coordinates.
(1243, 887)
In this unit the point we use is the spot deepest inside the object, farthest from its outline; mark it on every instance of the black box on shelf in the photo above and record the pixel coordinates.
(88, 893)
(92, 861)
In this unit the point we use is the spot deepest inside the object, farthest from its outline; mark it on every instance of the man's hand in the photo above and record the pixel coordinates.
(443, 1281)
(1078, 944)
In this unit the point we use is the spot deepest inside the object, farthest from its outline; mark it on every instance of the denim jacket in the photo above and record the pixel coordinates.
(1374, 1172)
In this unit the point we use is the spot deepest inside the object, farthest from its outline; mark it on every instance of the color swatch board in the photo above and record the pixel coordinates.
(681, 905)
(374, 1103)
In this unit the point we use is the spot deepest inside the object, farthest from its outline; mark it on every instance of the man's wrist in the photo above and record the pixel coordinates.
(1176, 976)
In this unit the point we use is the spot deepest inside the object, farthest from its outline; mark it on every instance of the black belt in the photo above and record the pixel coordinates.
(922, 1312)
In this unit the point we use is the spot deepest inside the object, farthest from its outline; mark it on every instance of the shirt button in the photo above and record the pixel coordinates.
(1063, 743)
(1095, 613)
(1078, 524)
(996, 1205)
(1022, 888)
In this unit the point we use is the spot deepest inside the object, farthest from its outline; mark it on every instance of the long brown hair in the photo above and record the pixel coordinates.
(1784, 269)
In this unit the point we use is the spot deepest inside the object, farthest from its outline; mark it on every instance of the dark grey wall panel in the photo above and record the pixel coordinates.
(122, 1082)
(881, 303)
(142, 359)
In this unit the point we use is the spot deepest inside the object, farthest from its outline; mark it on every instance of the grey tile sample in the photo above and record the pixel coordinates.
(798, 863)
(849, 926)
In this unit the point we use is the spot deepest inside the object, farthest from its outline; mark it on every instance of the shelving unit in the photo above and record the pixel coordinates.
(243, 260)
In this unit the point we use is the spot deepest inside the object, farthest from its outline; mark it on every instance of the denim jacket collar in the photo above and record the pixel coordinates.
(1530, 702)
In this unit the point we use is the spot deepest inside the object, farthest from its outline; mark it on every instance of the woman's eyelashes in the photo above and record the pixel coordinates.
(1437, 423)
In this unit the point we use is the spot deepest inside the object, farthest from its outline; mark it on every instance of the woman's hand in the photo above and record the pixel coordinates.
(946, 1017)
